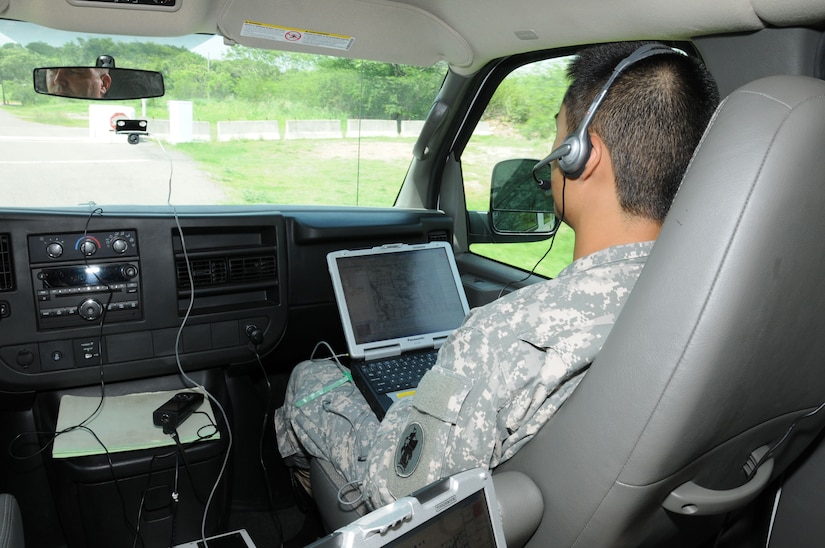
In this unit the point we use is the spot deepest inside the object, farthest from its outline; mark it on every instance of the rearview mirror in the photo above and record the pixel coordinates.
(517, 204)
(98, 83)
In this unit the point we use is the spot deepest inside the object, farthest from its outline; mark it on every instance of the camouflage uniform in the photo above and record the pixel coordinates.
(498, 379)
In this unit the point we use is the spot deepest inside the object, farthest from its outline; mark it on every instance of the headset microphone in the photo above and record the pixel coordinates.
(574, 151)
(544, 184)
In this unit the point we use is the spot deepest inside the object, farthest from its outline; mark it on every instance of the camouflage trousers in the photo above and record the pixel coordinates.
(334, 424)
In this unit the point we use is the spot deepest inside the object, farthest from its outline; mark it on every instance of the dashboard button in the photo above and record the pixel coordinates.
(90, 309)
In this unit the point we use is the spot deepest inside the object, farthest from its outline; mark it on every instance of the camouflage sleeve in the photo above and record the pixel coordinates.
(501, 376)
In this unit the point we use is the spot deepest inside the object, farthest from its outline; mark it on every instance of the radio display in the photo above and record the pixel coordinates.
(79, 276)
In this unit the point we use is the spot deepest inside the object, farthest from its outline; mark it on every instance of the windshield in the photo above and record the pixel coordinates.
(236, 126)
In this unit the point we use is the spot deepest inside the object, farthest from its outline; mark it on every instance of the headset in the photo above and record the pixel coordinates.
(574, 151)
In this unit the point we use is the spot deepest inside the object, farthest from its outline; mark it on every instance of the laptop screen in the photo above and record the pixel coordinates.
(465, 524)
(399, 293)
(460, 510)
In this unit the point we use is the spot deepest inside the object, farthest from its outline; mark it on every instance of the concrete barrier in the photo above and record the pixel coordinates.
(411, 128)
(201, 131)
(372, 128)
(313, 129)
(266, 130)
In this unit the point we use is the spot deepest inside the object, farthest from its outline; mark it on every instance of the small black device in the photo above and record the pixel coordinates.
(132, 128)
(171, 414)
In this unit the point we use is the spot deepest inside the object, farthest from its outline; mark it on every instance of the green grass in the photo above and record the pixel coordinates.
(527, 255)
(322, 172)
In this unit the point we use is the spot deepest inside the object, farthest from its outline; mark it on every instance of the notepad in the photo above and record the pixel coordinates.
(124, 423)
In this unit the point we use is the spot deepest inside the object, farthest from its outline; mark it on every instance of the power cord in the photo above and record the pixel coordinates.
(264, 428)
(549, 248)
(184, 376)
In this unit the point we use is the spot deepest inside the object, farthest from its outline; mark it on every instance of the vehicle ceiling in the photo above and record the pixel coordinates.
(465, 33)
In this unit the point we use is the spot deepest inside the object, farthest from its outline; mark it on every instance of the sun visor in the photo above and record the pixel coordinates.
(789, 12)
(378, 30)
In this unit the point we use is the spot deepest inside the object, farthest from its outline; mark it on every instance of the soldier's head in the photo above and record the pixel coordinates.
(650, 120)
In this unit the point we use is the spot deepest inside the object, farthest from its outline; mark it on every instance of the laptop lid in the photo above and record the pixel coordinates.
(396, 298)
(461, 510)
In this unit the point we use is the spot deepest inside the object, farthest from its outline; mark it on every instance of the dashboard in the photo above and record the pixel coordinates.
(130, 295)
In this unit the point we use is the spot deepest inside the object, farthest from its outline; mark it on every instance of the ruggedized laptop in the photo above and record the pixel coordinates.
(461, 510)
(396, 301)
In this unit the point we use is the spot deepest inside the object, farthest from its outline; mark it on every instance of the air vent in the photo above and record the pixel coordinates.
(251, 269)
(205, 272)
(214, 272)
(6, 267)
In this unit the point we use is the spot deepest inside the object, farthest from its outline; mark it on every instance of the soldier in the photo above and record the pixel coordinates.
(509, 367)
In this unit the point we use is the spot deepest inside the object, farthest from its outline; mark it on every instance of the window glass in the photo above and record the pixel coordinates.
(236, 126)
(519, 122)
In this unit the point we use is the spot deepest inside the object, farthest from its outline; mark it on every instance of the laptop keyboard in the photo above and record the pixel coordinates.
(399, 372)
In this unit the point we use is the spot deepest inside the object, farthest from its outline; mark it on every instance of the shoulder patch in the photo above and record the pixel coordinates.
(408, 451)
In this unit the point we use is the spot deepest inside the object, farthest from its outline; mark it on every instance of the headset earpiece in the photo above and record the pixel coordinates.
(574, 151)
(572, 164)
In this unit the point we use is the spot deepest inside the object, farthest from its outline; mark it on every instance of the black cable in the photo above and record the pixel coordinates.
(146, 490)
(111, 465)
(175, 492)
(182, 451)
(775, 447)
(264, 426)
(552, 241)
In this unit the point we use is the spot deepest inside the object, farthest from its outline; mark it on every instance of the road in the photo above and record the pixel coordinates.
(46, 165)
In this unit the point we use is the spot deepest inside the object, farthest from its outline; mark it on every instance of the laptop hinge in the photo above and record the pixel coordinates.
(382, 352)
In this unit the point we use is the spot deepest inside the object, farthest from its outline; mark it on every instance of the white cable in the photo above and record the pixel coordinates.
(178, 336)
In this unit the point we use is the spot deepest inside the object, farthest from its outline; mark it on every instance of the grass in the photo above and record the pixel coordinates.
(304, 172)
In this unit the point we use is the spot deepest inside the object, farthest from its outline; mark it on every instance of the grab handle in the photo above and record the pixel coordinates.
(690, 499)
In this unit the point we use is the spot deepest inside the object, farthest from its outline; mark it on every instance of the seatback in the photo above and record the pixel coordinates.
(721, 344)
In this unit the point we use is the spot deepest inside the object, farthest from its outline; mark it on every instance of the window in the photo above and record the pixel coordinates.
(237, 126)
(519, 122)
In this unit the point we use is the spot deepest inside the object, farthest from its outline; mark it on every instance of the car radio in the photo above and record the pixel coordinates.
(75, 295)
(97, 278)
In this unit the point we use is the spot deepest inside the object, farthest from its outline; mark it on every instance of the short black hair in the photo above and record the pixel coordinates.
(651, 119)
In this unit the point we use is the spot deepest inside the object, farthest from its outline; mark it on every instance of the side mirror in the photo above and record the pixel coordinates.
(517, 204)
(98, 83)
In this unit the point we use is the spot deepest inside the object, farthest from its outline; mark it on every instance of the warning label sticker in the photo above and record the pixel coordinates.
(263, 31)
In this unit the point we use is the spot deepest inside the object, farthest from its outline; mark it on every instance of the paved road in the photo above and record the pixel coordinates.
(45, 165)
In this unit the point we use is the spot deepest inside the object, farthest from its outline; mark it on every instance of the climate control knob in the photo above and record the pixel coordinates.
(90, 309)
(120, 246)
(54, 250)
(88, 247)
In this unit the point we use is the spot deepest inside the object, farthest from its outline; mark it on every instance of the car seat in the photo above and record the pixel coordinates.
(703, 390)
(716, 365)
(11, 522)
